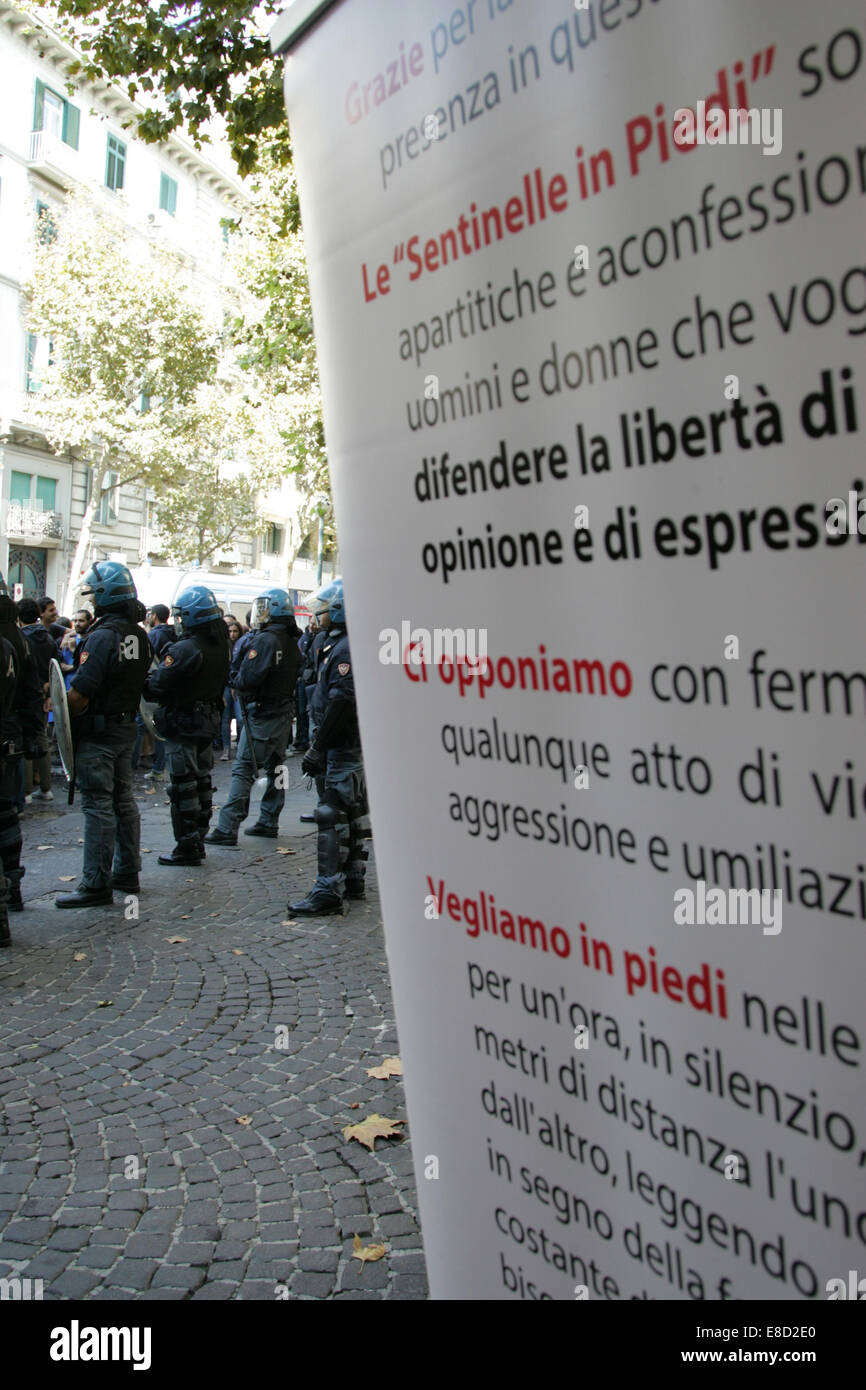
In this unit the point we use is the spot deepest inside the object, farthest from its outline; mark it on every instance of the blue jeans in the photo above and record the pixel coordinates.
(158, 764)
(228, 716)
(112, 825)
(270, 736)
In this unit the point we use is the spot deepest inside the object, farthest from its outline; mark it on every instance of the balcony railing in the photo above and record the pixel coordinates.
(51, 157)
(31, 524)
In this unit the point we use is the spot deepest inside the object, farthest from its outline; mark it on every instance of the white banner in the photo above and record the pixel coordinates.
(591, 353)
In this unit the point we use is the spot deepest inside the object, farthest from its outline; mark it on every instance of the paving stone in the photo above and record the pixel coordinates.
(398, 1225)
(313, 1285)
(250, 1205)
(177, 1277)
(75, 1283)
(150, 1246)
(324, 1261)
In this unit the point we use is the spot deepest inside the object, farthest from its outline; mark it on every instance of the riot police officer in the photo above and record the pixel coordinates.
(334, 759)
(21, 723)
(104, 696)
(188, 686)
(265, 682)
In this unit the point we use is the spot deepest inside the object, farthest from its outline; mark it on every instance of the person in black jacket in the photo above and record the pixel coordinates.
(20, 729)
(334, 759)
(302, 728)
(160, 632)
(264, 674)
(45, 648)
(188, 686)
(104, 695)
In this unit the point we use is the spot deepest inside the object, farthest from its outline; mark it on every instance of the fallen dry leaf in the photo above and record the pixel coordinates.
(236, 952)
(185, 916)
(177, 940)
(243, 1120)
(104, 1003)
(372, 1128)
(366, 1252)
(80, 955)
(392, 1066)
(66, 878)
(356, 1105)
(290, 922)
(151, 791)
(144, 851)
(287, 851)
(51, 846)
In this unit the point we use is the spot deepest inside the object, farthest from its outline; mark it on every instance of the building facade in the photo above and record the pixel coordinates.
(55, 136)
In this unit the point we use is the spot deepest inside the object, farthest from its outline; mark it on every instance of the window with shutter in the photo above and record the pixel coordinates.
(168, 194)
(56, 116)
(115, 164)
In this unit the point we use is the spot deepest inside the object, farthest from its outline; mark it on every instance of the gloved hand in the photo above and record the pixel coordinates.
(314, 761)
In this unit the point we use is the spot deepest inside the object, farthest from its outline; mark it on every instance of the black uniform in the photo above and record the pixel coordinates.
(336, 761)
(113, 662)
(160, 637)
(188, 686)
(265, 674)
(20, 729)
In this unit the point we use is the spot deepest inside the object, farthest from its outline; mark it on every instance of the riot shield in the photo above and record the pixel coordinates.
(62, 724)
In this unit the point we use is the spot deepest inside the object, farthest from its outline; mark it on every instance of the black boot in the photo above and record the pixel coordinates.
(5, 934)
(86, 897)
(219, 837)
(317, 905)
(185, 855)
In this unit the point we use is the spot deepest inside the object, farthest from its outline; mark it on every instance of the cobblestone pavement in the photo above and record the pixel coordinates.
(154, 1141)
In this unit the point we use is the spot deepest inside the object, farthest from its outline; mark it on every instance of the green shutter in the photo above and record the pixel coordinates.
(71, 123)
(46, 493)
(19, 488)
(39, 105)
(115, 158)
(168, 194)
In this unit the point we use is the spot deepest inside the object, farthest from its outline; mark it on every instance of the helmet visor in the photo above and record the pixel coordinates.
(261, 613)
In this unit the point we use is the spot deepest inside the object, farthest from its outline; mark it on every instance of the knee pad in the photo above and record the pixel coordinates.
(328, 816)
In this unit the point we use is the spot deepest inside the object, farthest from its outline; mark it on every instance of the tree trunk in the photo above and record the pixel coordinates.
(73, 581)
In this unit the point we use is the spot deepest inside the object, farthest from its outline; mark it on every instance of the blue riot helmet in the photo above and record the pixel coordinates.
(193, 608)
(270, 606)
(329, 606)
(109, 584)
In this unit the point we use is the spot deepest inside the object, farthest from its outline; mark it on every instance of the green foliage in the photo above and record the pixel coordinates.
(140, 384)
(272, 334)
(203, 60)
(122, 327)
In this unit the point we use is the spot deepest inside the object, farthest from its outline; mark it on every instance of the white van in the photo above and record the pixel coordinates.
(234, 592)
